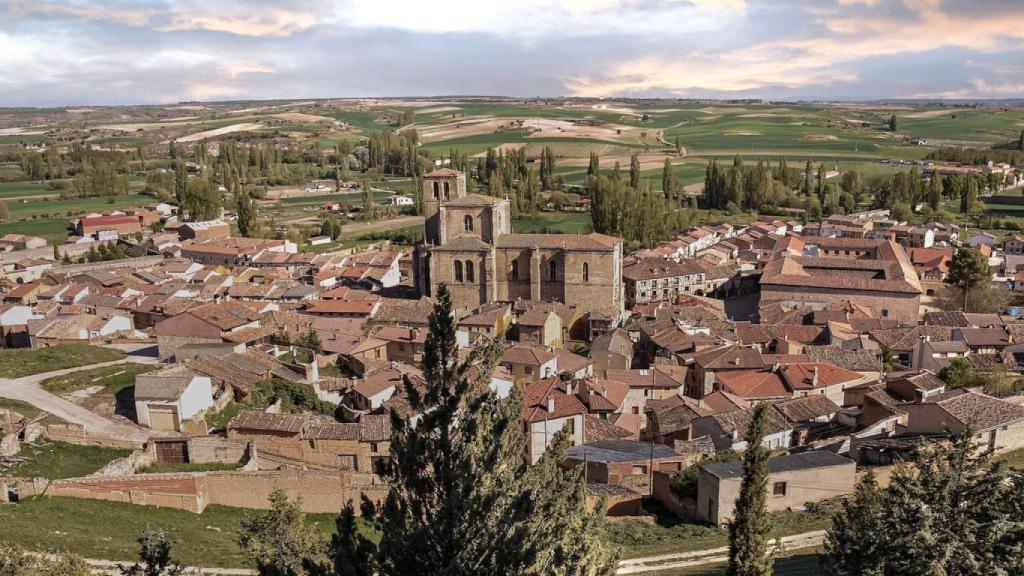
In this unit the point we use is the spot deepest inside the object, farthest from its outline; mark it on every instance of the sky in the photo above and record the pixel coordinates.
(115, 52)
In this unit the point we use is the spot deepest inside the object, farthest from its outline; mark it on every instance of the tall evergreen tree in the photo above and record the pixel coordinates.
(750, 528)
(594, 167)
(892, 123)
(808, 171)
(280, 542)
(368, 206)
(634, 171)
(245, 206)
(969, 271)
(851, 545)
(668, 180)
(1020, 141)
(461, 499)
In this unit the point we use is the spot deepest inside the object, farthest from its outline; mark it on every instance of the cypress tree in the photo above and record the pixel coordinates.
(851, 545)
(668, 182)
(634, 171)
(368, 207)
(246, 209)
(594, 167)
(807, 178)
(461, 499)
(750, 528)
(892, 123)
(1020, 141)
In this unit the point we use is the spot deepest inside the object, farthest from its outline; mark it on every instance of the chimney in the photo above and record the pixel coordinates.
(814, 379)
(568, 386)
(551, 404)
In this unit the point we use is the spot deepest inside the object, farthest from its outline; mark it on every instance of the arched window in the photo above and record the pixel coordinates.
(458, 270)
(514, 273)
(467, 223)
(469, 271)
(447, 196)
(552, 269)
(586, 272)
(437, 190)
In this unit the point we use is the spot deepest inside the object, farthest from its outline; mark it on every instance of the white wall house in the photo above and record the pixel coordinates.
(163, 400)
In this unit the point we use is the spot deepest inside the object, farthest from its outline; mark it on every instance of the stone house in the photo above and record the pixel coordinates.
(298, 439)
(728, 430)
(549, 407)
(628, 463)
(612, 351)
(208, 323)
(793, 481)
(404, 345)
(540, 327)
(529, 363)
(996, 424)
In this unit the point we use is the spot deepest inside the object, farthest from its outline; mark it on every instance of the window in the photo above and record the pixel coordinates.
(469, 271)
(446, 190)
(586, 272)
(437, 190)
(552, 270)
(638, 469)
(458, 270)
(514, 273)
(779, 489)
(467, 223)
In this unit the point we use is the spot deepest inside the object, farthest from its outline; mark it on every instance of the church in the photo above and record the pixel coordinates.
(469, 245)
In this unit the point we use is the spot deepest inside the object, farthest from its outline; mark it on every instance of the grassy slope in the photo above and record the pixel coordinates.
(113, 379)
(19, 363)
(55, 460)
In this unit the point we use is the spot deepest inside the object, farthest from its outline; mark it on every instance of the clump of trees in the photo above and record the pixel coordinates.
(979, 155)
(508, 173)
(639, 216)
(953, 510)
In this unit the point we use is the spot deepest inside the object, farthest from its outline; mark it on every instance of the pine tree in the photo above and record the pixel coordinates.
(352, 553)
(851, 545)
(461, 499)
(154, 556)
(634, 171)
(750, 528)
(280, 542)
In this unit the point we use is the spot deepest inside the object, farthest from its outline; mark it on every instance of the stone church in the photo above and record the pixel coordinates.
(469, 245)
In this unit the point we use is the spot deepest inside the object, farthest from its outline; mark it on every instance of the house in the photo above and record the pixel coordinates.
(793, 481)
(646, 384)
(628, 463)
(209, 230)
(983, 340)
(728, 430)
(983, 239)
(122, 224)
(548, 408)
(706, 364)
(343, 308)
(309, 440)
(490, 320)
(165, 399)
(209, 323)
(540, 326)
(935, 356)
(1014, 245)
(404, 344)
(996, 424)
(612, 351)
(529, 363)
(319, 240)
(77, 328)
(370, 393)
(399, 200)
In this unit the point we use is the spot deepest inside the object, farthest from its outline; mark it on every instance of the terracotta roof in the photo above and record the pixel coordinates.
(381, 381)
(653, 268)
(263, 422)
(806, 408)
(361, 307)
(986, 337)
(816, 375)
(753, 384)
(658, 376)
(978, 410)
(738, 421)
(535, 401)
(596, 428)
(855, 360)
(527, 355)
(592, 241)
(442, 173)
(728, 357)
(602, 395)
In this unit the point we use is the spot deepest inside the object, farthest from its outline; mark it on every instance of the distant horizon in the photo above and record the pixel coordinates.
(159, 52)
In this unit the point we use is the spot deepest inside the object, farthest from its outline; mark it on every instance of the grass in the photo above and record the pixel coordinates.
(793, 563)
(111, 379)
(56, 460)
(73, 207)
(1013, 458)
(107, 530)
(220, 420)
(21, 363)
(29, 411)
(669, 533)
(18, 189)
(55, 230)
(208, 467)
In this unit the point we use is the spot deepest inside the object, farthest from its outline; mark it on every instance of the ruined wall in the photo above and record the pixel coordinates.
(79, 436)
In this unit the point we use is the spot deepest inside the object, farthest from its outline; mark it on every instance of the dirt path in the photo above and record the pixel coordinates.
(27, 389)
(712, 556)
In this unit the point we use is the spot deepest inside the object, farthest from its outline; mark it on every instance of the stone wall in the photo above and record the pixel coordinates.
(214, 449)
(72, 434)
(902, 307)
(320, 491)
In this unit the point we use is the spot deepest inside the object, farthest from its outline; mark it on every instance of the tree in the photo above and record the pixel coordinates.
(892, 123)
(280, 542)
(953, 510)
(15, 561)
(5, 212)
(968, 270)
(668, 180)
(352, 554)
(851, 545)
(310, 341)
(154, 556)
(461, 498)
(594, 166)
(201, 200)
(750, 528)
(679, 145)
(808, 171)
(368, 206)
(246, 208)
(634, 171)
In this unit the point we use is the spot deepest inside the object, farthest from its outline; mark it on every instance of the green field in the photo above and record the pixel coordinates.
(27, 410)
(18, 189)
(55, 230)
(107, 530)
(110, 379)
(54, 460)
(553, 223)
(72, 207)
(19, 363)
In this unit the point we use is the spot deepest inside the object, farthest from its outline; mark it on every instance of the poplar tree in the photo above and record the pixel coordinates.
(594, 167)
(750, 528)
(368, 207)
(461, 498)
(245, 206)
(668, 181)
(892, 123)
(807, 178)
(634, 171)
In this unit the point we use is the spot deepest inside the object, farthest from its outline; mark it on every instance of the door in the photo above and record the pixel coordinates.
(163, 417)
(172, 452)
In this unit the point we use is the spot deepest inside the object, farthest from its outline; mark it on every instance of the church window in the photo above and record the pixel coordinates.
(437, 190)
(458, 270)
(514, 274)
(552, 270)
(467, 223)
(586, 272)
(469, 271)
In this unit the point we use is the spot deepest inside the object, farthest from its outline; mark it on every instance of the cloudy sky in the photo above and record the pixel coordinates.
(62, 52)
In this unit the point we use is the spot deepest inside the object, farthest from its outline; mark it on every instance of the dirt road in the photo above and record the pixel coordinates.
(712, 556)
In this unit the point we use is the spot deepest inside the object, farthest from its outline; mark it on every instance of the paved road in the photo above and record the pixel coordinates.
(712, 556)
(27, 390)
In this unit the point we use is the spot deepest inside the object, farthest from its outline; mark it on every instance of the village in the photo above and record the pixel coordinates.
(258, 366)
